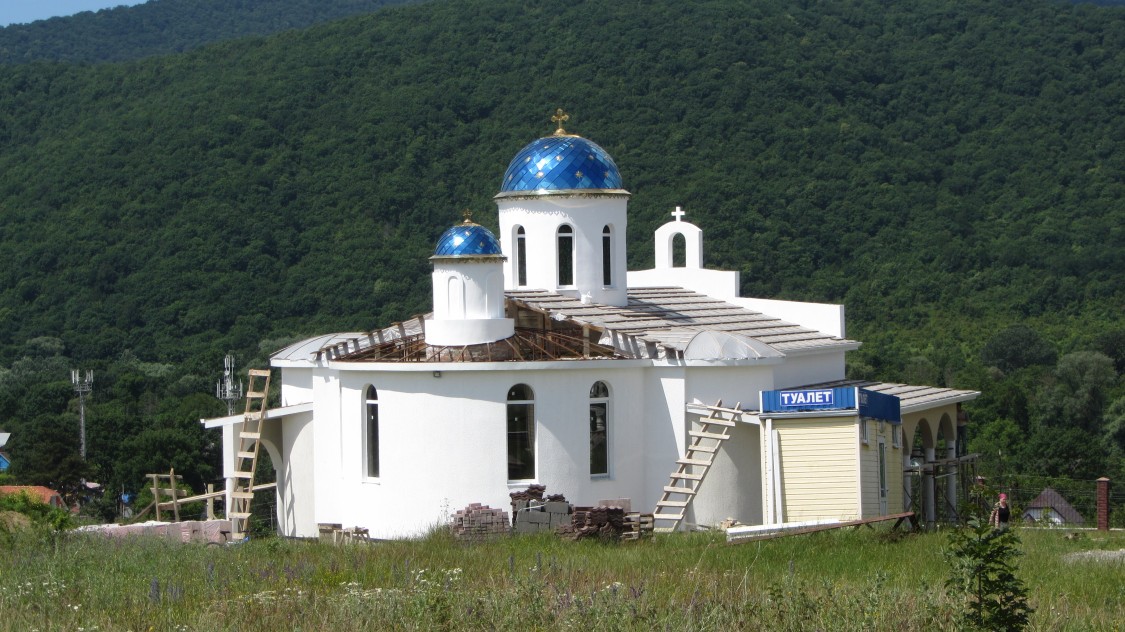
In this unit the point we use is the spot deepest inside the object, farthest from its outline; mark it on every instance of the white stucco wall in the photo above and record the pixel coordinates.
(588, 214)
(443, 442)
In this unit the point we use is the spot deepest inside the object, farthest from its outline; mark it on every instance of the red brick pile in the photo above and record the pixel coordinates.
(478, 522)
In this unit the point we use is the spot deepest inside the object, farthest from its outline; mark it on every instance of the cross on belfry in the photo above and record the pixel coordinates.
(678, 214)
(559, 118)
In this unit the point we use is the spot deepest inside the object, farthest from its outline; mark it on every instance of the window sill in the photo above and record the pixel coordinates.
(369, 480)
(601, 477)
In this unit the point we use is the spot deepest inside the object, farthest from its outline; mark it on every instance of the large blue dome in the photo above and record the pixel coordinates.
(467, 240)
(560, 163)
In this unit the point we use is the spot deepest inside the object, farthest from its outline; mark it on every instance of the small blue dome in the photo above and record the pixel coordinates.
(467, 240)
(559, 163)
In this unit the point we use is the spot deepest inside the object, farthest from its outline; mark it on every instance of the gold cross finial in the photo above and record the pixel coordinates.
(559, 118)
(468, 215)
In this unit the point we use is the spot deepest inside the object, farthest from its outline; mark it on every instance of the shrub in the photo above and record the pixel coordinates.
(982, 578)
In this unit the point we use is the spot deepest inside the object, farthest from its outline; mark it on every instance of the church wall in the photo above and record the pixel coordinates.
(664, 431)
(327, 453)
(733, 487)
(809, 369)
(296, 386)
(295, 480)
(443, 443)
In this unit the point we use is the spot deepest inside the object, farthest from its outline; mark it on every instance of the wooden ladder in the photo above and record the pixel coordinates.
(246, 458)
(690, 471)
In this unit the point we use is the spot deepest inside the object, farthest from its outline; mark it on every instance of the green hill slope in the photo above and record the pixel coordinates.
(944, 169)
(159, 27)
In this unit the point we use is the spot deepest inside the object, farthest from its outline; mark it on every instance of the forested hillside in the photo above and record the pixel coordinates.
(950, 171)
(159, 27)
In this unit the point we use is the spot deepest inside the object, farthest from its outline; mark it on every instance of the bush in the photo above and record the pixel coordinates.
(40, 513)
(983, 580)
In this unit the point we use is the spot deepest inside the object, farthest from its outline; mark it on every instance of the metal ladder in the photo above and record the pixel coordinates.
(246, 458)
(690, 471)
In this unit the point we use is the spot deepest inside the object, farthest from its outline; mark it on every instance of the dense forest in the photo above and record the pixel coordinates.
(160, 27)
(950, 171)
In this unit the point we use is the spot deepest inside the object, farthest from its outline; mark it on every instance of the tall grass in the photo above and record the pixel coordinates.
(841, 580)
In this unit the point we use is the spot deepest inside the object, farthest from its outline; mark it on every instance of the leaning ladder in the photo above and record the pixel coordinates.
(690, 471)
(246, 458)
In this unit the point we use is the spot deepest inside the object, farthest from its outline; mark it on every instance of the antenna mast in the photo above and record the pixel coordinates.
(82, 386)
(226, 389)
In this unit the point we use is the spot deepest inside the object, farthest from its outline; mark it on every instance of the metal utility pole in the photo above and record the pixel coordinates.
(82, 386)
(226, 389)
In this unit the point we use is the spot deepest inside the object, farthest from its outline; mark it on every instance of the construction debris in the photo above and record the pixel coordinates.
(201, 531)
(335, 533)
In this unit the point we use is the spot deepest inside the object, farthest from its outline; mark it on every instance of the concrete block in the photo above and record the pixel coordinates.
(624, 503)
(539, 517)
(558, 507)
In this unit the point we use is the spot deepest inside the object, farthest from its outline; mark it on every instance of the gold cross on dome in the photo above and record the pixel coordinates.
(559, 118)
(468, 215)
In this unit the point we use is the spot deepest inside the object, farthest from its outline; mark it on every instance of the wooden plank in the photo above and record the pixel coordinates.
(687, 476)
(672, 503)
(710, 449)
(696, 462)
(678, 490)
(246, 455)
(899, 517)
(707, 435)
(253, 436)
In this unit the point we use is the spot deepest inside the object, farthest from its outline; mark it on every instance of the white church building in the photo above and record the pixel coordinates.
(545, 361)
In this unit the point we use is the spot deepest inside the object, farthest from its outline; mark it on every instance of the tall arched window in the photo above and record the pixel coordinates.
(679, 251)
(371, 433)
(521, 256)
(599, 429)
(607, 256)
(566, 255)
(521, 433)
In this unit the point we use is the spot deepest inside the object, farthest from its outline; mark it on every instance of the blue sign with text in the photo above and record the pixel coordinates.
(866, 403)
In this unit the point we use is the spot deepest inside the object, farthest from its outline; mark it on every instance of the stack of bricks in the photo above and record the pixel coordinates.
(479, 522)
(532, 513)
(598, 522)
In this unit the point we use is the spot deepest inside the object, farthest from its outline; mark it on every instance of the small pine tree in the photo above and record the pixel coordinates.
(983, 579)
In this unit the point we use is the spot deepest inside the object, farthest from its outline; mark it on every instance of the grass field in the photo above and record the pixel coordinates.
(841, 580)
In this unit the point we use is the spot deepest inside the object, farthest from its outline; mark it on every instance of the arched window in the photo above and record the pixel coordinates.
(599, 429)
(607, 256)
(521, 433)
(521, 256)
(679, 251)
(371, 433)
(566, 255)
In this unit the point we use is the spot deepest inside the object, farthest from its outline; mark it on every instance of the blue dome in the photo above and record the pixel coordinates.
(559, 163)
(467, 240)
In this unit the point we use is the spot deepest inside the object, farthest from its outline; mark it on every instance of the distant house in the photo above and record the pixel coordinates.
(44, 495)
(1050, 508)
(5, 460)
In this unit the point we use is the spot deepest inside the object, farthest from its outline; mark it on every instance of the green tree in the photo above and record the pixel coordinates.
(982, 578)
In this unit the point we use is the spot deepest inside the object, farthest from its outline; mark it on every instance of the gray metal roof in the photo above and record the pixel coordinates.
(910, 397)
(657, 323)
(662, 321)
